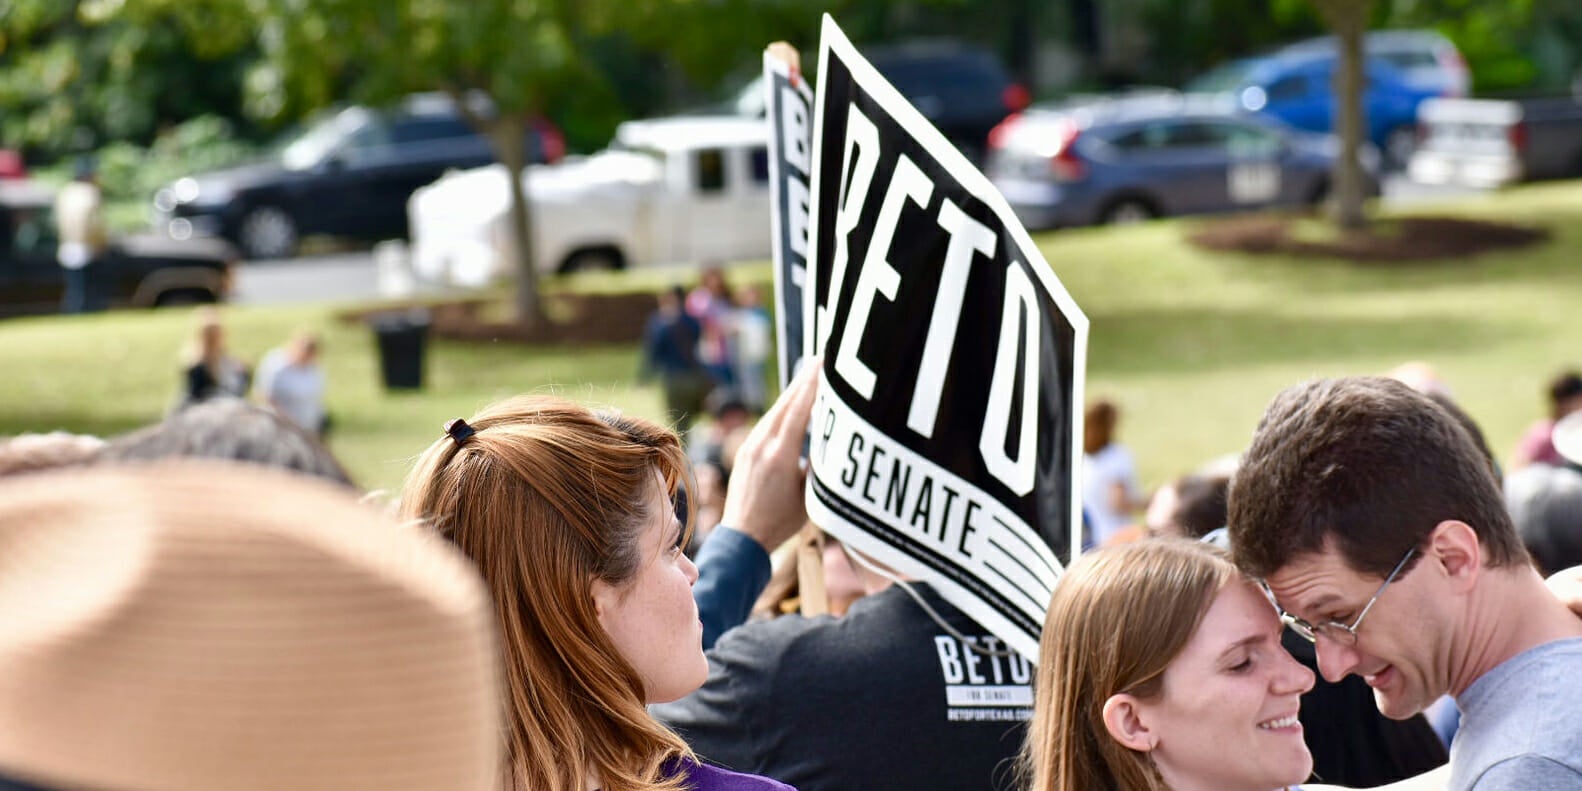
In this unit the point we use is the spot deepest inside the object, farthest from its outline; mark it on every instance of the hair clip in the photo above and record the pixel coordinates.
(458, 430)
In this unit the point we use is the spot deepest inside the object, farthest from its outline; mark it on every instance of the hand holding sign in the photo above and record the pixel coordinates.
(765, 495)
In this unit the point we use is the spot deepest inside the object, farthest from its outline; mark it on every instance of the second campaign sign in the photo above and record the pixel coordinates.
(946, 432)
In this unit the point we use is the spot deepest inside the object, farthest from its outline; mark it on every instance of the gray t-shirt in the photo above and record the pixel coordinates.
(1521, 723)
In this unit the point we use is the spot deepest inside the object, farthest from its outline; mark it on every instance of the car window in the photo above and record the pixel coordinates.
(368, 139)
(1195, 134)
(1163, 135)
(29, 231)
(1249, 140)
(758, 160)
(1286, 89)
(425, 128)
(308, 146)
(710, 170)
(1147, 136)
(1413, 59)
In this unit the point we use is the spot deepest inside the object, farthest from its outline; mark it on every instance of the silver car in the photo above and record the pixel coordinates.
(1129, 159)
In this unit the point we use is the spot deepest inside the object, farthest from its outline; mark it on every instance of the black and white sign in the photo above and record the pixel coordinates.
(790, 111)
(947, 427)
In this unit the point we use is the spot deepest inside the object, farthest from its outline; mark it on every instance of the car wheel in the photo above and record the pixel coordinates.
(268, 232)
(1126, 212)
(596, 259)
(1398, 147)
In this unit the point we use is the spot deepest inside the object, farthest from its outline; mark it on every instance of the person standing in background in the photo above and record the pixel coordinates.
(1109, 476)
(670, 351)
(754, 343)
(1537, 445)
(291, 383)
(710, 303)
(209, 370)
(79, 221)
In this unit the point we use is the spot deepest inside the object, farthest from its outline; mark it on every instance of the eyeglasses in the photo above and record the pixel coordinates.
(1334, 630)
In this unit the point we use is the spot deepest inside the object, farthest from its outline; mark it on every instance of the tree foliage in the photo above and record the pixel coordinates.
(1513, 45)
(75, 75)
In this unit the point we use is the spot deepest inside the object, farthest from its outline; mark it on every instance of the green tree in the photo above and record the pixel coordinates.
(1523, 45)
(75, 75)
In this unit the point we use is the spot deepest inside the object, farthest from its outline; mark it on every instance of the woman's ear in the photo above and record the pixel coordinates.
(1123, 719)
(604, 595)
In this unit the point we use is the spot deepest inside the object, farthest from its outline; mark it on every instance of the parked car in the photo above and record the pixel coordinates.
(1128, 159)
(964, 91)
(1425, 59)
(349, 173)
(1488, 143)
(1298, 88)
(140, 271)
(670, 190)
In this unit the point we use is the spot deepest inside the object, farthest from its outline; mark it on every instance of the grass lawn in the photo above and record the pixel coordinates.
(1191, 344)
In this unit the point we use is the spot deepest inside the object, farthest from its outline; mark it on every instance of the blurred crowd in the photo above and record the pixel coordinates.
(709, 347)
(288, 380)
(210, 603)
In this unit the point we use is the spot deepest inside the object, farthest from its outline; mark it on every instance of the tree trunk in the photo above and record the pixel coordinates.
(1348, 20)
(507, 135)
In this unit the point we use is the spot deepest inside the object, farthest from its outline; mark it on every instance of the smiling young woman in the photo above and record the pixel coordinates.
(1161, 668)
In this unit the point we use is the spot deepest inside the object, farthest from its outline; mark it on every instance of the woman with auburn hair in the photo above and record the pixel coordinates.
(568, 514)
(1160, 667)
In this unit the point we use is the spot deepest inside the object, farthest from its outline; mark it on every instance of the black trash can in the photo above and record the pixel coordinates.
(403, 338)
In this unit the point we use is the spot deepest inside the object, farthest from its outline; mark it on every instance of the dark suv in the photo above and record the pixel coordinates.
(962, 90)
(350, 174)
(143, 271)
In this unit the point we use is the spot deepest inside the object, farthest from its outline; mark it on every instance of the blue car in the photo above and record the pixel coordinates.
(1127, 159)
(1297, 87)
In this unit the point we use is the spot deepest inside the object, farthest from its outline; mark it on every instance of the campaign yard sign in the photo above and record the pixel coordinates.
(790, 110)
(947, 426)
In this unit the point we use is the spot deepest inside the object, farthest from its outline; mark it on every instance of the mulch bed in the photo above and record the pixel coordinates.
(1398, 240)
(576, 319)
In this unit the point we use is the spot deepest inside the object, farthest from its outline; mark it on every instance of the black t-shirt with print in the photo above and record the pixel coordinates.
(881, 698)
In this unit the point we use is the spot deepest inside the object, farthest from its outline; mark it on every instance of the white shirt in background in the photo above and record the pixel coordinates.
(1100, 472)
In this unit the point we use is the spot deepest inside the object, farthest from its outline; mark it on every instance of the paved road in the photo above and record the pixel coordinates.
(354, 275)
(336, 277)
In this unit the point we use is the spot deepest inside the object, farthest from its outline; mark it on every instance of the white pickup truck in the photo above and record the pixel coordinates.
(671, 190)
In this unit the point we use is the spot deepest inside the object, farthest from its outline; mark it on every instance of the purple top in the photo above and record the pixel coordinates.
(702, 777)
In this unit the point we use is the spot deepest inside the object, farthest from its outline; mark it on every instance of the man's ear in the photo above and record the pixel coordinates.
(1123, 718)
(1455, 546)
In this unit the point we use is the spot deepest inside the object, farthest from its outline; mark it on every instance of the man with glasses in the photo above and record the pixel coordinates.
(1382, 537)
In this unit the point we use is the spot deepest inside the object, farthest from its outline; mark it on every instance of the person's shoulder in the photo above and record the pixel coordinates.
(773, 636)
(1526, 679)
(1113, 454)
(1558, 659)
(712, 778)
(1520, 772)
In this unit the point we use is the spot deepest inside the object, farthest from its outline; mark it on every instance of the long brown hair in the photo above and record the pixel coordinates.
(546, 497)
(1118, 617)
